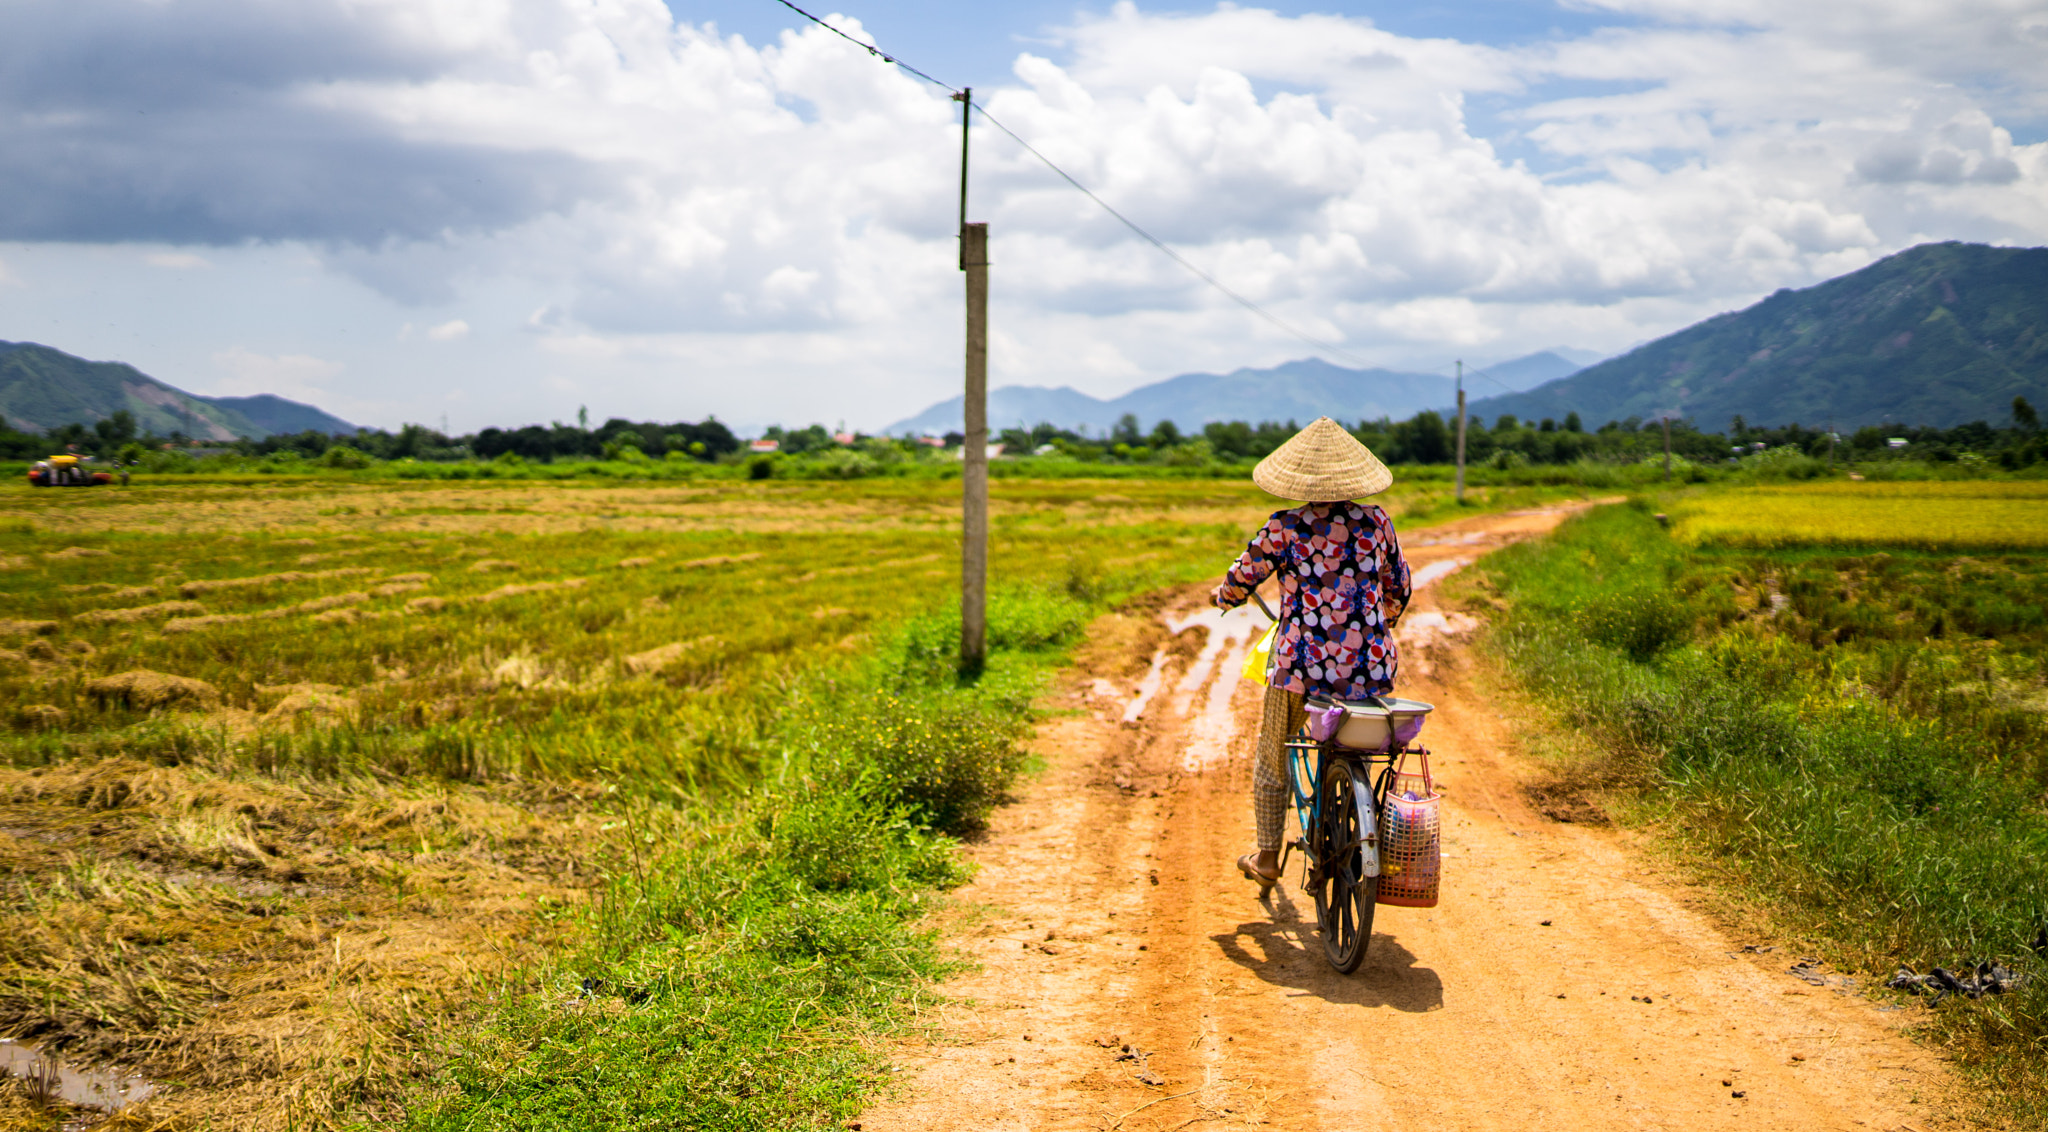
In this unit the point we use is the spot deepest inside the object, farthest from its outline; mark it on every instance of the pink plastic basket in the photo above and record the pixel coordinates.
(1411, 839)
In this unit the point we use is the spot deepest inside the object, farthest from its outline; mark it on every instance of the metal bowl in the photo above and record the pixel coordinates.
(1369, 724)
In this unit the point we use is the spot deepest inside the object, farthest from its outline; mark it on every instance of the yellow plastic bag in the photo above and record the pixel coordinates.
(1260, 659)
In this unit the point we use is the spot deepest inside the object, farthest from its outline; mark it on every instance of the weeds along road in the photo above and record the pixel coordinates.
(1128, 978)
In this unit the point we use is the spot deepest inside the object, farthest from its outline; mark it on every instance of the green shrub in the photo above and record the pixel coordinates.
(342, 456)
(1784, 463)
(1639, 624)
(845, 464)
(834, 837)
(941, 757)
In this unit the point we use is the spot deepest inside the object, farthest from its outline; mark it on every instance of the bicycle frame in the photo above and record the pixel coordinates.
(1306, 761)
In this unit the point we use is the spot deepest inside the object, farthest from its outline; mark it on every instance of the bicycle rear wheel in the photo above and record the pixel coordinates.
(1345, 897)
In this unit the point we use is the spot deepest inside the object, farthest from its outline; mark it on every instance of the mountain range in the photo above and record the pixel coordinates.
(1937, 335)
(41, 388)
(1299, 390)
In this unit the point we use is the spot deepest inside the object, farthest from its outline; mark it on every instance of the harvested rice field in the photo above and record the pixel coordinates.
(1962, 515)
(301, 780)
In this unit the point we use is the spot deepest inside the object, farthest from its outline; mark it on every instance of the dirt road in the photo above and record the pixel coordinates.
(1130, 979)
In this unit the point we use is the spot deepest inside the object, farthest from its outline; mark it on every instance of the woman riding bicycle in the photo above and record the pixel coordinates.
(1343, 585)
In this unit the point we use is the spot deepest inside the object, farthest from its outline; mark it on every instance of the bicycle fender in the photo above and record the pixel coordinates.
(1369, 829)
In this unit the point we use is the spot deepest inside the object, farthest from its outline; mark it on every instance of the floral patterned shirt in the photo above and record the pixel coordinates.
(1343, 584)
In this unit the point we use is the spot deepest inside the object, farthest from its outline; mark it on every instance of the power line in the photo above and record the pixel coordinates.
(1328, 347)
(1170, 253)
(869, 48)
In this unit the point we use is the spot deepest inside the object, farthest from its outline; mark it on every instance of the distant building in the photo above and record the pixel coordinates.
(846, 438)
(932, 441)
(764, 446)
(1896, 442)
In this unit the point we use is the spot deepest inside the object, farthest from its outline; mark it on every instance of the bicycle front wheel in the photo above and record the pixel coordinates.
(1344, 895)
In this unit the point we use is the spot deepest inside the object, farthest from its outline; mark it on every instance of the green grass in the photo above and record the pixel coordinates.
(1878, 789)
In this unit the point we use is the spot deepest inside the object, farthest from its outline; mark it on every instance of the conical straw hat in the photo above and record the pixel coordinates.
(1322, 464)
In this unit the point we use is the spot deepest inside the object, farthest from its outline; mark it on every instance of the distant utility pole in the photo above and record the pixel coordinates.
(1461, 430)
(974, 447)
(1667, 448)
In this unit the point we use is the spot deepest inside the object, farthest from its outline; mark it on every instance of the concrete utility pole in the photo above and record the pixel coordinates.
(1461, 430)
(974, 447)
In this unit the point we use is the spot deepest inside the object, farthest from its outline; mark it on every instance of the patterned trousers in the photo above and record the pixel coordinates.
(1284, 715)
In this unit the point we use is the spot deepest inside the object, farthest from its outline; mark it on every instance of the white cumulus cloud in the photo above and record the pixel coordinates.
(691, 223)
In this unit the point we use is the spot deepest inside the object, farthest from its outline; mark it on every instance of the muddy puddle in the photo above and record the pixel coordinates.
(107, 1090)
(1204, 692)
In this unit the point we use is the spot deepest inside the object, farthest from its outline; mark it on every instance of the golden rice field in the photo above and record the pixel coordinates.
(1980, 515)
(292, 773)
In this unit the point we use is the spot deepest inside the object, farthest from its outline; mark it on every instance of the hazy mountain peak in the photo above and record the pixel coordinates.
(1299, 390)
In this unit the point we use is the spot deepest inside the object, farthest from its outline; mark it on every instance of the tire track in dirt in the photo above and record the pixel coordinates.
(1129, 979)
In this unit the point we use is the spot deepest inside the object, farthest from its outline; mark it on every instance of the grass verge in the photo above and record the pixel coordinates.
(1810, 773)
(738, 979)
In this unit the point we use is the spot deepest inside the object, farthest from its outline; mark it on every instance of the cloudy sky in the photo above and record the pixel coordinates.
(495, 211)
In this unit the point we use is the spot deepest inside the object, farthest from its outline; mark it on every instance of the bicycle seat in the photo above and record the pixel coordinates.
(1376, 723)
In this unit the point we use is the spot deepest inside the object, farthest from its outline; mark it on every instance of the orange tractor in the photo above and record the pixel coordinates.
(65, 471)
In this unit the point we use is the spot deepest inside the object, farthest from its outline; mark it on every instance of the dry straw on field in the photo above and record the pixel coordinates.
(275, 830)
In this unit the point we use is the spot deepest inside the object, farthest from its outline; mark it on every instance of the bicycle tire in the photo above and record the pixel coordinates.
(1344, 896)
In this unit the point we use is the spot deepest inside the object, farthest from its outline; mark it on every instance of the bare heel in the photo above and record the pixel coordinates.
(1252, 873)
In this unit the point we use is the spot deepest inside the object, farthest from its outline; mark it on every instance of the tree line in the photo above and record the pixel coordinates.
(116, 437)
(1426, 438)
(1508, 441)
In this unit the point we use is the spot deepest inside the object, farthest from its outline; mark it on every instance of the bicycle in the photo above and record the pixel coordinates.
(1340, 787)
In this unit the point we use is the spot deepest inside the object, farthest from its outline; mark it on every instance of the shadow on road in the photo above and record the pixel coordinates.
(1286, 952)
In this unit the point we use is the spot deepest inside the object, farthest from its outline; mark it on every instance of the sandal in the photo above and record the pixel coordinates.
(1251, 872)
